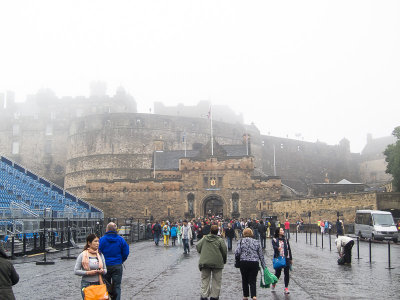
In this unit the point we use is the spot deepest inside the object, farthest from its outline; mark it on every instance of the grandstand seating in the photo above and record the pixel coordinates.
(35, 195)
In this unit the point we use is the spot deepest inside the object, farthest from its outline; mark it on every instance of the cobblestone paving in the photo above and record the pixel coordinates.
(166, 273)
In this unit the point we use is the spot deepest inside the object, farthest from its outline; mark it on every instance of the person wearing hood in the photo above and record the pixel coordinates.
(8, 277)
(115, 251)
(213, 255)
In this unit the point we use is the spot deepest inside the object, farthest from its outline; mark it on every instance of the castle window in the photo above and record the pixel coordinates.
(190, 199)
(15, 148)
(49, 129)
(235, 202)
(47, 147)
(15, 129)
(205, 181)
(219, 181)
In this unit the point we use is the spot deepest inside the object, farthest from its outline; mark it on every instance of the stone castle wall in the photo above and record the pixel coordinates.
(325, 208)
(41, 145)
(169, 197)
(310, 162)
(120, 146)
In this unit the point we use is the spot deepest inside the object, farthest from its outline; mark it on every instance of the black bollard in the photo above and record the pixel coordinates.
(24, 243)
(310, 237)
(12, 247)
(34, 241)
(296, 235)
(322, 240)
(369, 241)
(330, 244)
(316, 238)
(306, 237)
(138, 230)
(62, 239)
(358, 248)
(389, 268)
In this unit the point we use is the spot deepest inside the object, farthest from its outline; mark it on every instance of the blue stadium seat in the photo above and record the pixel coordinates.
(19, 185)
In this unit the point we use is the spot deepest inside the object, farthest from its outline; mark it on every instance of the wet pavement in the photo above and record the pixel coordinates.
(166, 273)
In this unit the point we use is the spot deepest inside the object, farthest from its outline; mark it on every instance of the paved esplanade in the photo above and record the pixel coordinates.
(166, 273)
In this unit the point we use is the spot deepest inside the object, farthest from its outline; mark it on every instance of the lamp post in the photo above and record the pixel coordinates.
(154, 163)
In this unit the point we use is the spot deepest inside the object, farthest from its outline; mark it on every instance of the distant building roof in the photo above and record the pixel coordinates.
(376, 147)
(344, 181)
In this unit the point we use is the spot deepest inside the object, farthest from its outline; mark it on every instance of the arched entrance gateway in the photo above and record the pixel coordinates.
(213, 206)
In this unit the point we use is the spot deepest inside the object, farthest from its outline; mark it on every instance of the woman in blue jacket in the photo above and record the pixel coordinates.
(282, 248)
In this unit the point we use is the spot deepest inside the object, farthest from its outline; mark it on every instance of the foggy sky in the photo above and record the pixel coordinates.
(324, 69)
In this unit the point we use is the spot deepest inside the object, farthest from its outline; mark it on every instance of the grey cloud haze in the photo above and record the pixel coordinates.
(325, 69)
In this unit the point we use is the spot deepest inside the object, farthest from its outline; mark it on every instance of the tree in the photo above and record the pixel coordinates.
(392, 154)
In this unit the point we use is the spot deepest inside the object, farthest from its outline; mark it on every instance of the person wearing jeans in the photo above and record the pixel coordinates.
(116, 251)
(156, 232)
(230, 234)
(186, 236)
(263, 235)
(281, 247)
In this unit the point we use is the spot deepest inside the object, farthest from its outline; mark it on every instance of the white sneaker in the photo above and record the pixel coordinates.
(273, 287)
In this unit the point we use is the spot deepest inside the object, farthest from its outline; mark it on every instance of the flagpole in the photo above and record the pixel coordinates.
(274, 163)
(247, 144)
(185, 144)
(212, 140)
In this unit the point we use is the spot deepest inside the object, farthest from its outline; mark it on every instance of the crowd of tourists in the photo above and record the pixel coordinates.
(210, 233)
(100, 264)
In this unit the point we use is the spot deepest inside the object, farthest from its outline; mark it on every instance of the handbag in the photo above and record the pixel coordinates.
(96, 291)
(237, 256)
(279, 262)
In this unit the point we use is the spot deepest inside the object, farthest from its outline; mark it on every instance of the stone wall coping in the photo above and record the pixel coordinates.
(326, 197)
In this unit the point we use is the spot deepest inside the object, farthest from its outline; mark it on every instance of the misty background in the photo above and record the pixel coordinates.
(312, 70)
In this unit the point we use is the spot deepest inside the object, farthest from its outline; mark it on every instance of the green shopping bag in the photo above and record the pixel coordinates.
(267, 278)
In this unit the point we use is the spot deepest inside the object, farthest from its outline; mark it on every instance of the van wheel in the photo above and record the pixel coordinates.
(373, 237)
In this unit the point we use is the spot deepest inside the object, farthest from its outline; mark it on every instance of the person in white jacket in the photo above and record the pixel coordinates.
(344, 245)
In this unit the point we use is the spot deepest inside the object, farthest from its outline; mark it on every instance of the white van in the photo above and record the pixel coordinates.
(375, 224)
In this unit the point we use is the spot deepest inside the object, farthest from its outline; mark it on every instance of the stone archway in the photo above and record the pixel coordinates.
(213, 205)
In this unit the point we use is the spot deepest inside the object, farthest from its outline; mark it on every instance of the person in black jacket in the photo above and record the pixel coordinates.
(230, 234)
(262, 230)
(206, 228)
(156, 232)
(8, 277)
(282, 248)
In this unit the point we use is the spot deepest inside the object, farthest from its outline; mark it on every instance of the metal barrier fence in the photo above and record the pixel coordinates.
(25, 236)
(28, 236)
